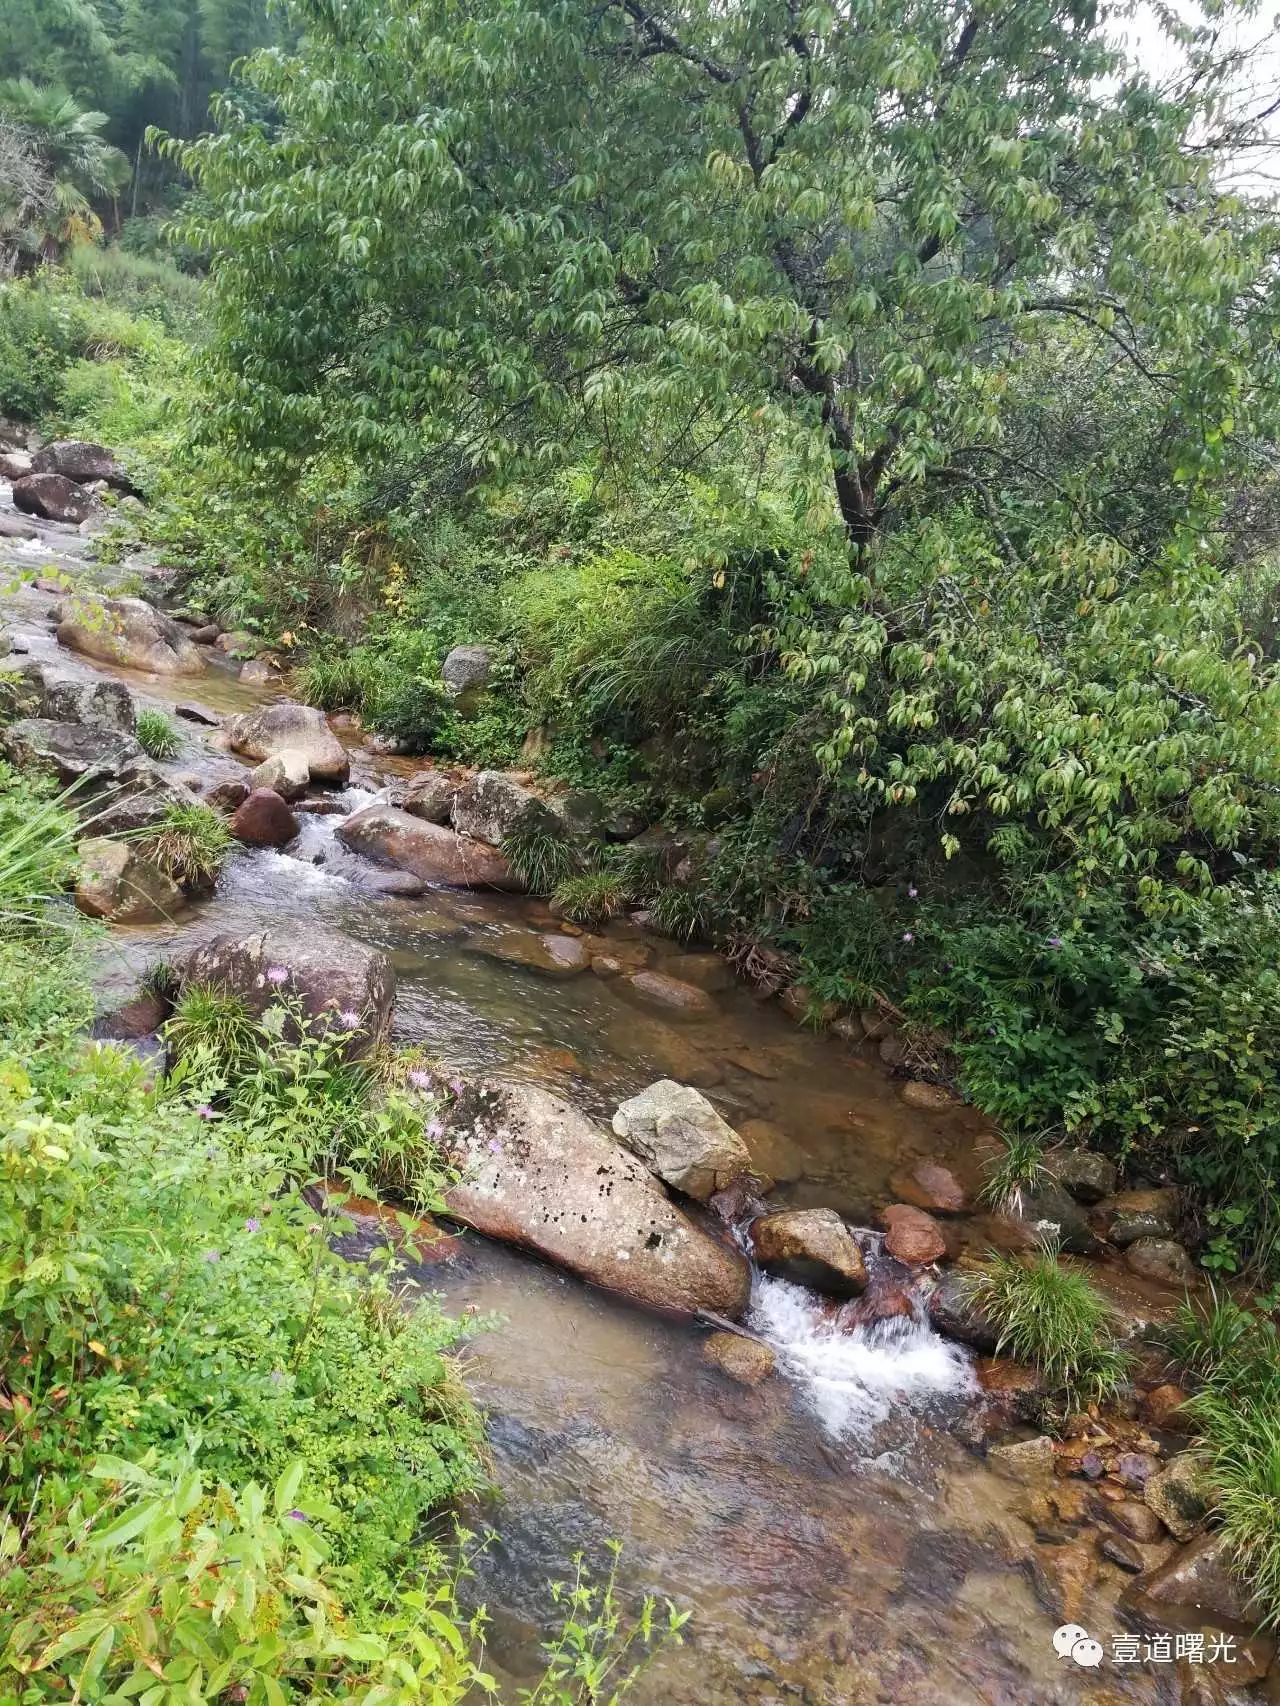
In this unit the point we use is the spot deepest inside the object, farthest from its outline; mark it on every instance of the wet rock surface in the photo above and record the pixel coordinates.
(537, 1172)
(428, 850)
(681, 1138)
(129, 632)
(812, 1246)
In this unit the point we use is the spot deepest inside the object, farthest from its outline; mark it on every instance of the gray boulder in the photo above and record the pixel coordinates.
(15, 464)
(129, 632)
(60, 698)
(53, 498)
(953, 1312)
(340, 985)
(538, 1173)
(467, 669)
(679, 1136)
(1087, 1175)
(1130, 1215)
(489, 805)
(1180, 1494)
(286, 773)
(82, 462)
(139, 800)
(72, 752)
(430, 796)
(290, 727)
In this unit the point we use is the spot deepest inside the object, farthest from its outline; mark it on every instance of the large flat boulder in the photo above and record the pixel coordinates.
(337, 982)
(538, 1173)
(428, 850)
(46, 692)
(289, 727)
(76, 459)
(129, 632)
(53, 498)
(679, 1136)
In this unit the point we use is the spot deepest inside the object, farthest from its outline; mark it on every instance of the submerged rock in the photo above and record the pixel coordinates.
(550, 955)
(289, 727)
(1024, 1460)
(747, 1361)
(672, 994)
(813, 1246)
(429, 850)
(340, 983)
(118, 883)
(953, 1312)
(679, 1136)
(129, 632)
(930, 1186)
(538, 1173)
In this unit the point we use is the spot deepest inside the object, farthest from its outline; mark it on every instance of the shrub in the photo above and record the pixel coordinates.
(191, 845)
(157, 734)
(1047, 1315)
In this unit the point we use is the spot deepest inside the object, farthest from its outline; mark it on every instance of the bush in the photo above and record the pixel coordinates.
(1051, 1317)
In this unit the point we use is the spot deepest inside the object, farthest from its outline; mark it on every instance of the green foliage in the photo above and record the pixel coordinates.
(679, 911)
(191, 845)
(211, 1026)
(598, 1654)
(1018, 1169)
(1053, 1317)
(1235, 1353)
(592, 898)
(157, 733)
(37, 852)
(540, 856)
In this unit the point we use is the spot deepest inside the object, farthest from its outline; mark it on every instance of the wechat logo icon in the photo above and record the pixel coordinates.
(1073, 1642)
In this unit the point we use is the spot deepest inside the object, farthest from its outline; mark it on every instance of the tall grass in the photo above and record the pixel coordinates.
(539, 856)
(1049, 1316)
(1234, 1353)
(37, 852)
(191, 844)
(157, 734)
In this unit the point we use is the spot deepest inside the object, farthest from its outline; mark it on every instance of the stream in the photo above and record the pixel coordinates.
(834, 1532)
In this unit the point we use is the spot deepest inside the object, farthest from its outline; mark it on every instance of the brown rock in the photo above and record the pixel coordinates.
(551, 955)
(745, 1360)
(127, 631)
(1199, 1578)
(1129, 1215)
(1163, 1407)
(680, 999)
(707, 971)
(1016, 1386)
(430, 796)
(286, 726)
(799, 1003)
(912, 1236)
(118, 883)
(1137, 1521)
(848, 1029)
(813, 1246)
(1024, 1460)
(930, 1186)
(537, 1172)
(263, 820)
(1122, 1553)
(140, 1017)
(1180, 1494)
(929, 1098)
(772, 1151)
(429, 850)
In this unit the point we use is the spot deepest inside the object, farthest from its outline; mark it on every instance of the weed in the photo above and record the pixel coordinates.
(191, 844)
(592, 898)
(539, 856)
(157, 734)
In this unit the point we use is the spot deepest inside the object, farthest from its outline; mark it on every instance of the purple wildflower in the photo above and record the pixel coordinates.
(348, 1019)
(213, 1255)
(908, 935)
(457, 1086)
(277, 975)
(296, 1515)
(495, 1148)
(913, 893)
(1055, 941)
(253, 1224)
(434, 1128)
(421, 1079)
(204, 1111)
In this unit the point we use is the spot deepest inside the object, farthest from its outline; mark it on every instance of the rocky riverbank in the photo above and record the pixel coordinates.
(661, 1195)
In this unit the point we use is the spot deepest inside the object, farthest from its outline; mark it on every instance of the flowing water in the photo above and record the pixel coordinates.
(832, 1534)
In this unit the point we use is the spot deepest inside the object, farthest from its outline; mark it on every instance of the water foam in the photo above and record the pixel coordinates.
(855, 1380)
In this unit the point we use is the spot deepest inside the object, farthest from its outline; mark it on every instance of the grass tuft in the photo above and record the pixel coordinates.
(213, 1027)
(540, 857)
(593, 898)
(191, 845)
(1049, 1316)
(158, 734)
(1016, 1173)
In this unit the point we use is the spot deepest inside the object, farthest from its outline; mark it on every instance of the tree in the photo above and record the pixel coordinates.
(67, 147)
(851, 224)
